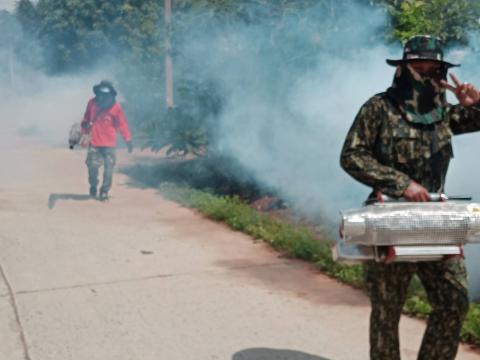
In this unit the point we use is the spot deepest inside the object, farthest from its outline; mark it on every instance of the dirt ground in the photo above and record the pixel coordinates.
(141, 278)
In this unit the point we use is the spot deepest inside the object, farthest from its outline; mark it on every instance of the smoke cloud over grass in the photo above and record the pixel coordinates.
(291, 95)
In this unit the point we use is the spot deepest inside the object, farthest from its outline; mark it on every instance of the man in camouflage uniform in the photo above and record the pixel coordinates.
(400, 145)
(103, 117)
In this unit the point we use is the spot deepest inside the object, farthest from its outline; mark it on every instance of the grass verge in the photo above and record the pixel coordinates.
(302, 243)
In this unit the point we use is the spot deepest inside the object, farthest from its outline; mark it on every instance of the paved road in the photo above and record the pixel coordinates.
(141, 278)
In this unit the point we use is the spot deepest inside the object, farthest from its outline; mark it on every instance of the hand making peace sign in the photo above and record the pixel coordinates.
(467, 94)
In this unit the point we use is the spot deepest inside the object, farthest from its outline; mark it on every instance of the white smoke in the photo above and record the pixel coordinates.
(287, 124)
(43, 108)
(289, 133)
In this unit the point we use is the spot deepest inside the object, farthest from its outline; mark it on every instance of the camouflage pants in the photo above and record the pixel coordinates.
(96, 157)
(446, 285)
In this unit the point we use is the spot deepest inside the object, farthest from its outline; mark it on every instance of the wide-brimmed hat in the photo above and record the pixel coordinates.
(105, 87)
(422, 47)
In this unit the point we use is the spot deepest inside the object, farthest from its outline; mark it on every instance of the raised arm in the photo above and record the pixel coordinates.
(464, 117)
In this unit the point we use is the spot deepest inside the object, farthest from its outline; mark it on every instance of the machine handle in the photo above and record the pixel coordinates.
(435, 197)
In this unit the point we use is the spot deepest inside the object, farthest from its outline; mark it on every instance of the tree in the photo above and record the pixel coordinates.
(10, 41)
(451, 20)
(78, 34)
(9, 29)
(27, 16)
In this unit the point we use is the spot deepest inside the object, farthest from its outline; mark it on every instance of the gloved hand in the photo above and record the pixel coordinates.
(130, 147)
(416, 192)
(71, 146)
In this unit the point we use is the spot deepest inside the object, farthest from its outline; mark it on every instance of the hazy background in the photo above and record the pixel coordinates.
(285, 113)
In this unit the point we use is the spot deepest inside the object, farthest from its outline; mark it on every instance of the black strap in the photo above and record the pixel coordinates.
(436, 159)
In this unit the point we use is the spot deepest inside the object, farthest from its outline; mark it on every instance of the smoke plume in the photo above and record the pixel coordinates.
(288, 108)
(286, 120)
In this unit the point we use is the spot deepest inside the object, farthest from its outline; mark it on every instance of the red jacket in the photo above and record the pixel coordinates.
(104, 125)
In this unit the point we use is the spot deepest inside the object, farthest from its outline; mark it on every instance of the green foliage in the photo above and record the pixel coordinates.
(179, 133)
(27, 16)
(450, 20)
(471, 327)
(10, 39)
(188, 128)
(79, 33)
(249, 11)
(416, 305)
(9, 30)
(25, 31)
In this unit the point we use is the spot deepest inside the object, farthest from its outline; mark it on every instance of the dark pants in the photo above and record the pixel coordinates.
(96, 157)
(446, 285)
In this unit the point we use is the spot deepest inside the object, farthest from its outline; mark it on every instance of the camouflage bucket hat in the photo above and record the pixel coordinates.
(422, 47)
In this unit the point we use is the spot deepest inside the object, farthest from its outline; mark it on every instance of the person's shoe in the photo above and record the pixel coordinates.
(93, 192)
(103, 196)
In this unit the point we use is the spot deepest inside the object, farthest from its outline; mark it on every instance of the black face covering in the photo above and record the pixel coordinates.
(420, 97)
(105, 101)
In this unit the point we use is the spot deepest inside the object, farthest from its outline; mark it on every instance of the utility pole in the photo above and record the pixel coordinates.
(168, 54)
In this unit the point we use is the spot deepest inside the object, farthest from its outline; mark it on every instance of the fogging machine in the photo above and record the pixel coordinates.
(393, 230)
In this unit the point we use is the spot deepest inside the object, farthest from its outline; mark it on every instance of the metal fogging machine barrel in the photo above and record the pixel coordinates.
(389, 230)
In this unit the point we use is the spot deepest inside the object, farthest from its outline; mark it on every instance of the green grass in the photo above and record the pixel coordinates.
(302, 243)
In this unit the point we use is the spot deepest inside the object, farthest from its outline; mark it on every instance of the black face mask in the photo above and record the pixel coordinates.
(420, 96)
(105, 101)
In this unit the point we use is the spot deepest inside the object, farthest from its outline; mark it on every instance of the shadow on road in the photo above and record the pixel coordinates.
(273, 354)
(53, 198)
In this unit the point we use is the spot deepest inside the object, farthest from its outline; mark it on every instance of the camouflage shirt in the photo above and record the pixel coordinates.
(385, 151)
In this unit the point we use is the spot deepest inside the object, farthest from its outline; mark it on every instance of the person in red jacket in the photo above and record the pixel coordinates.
(103, 118)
